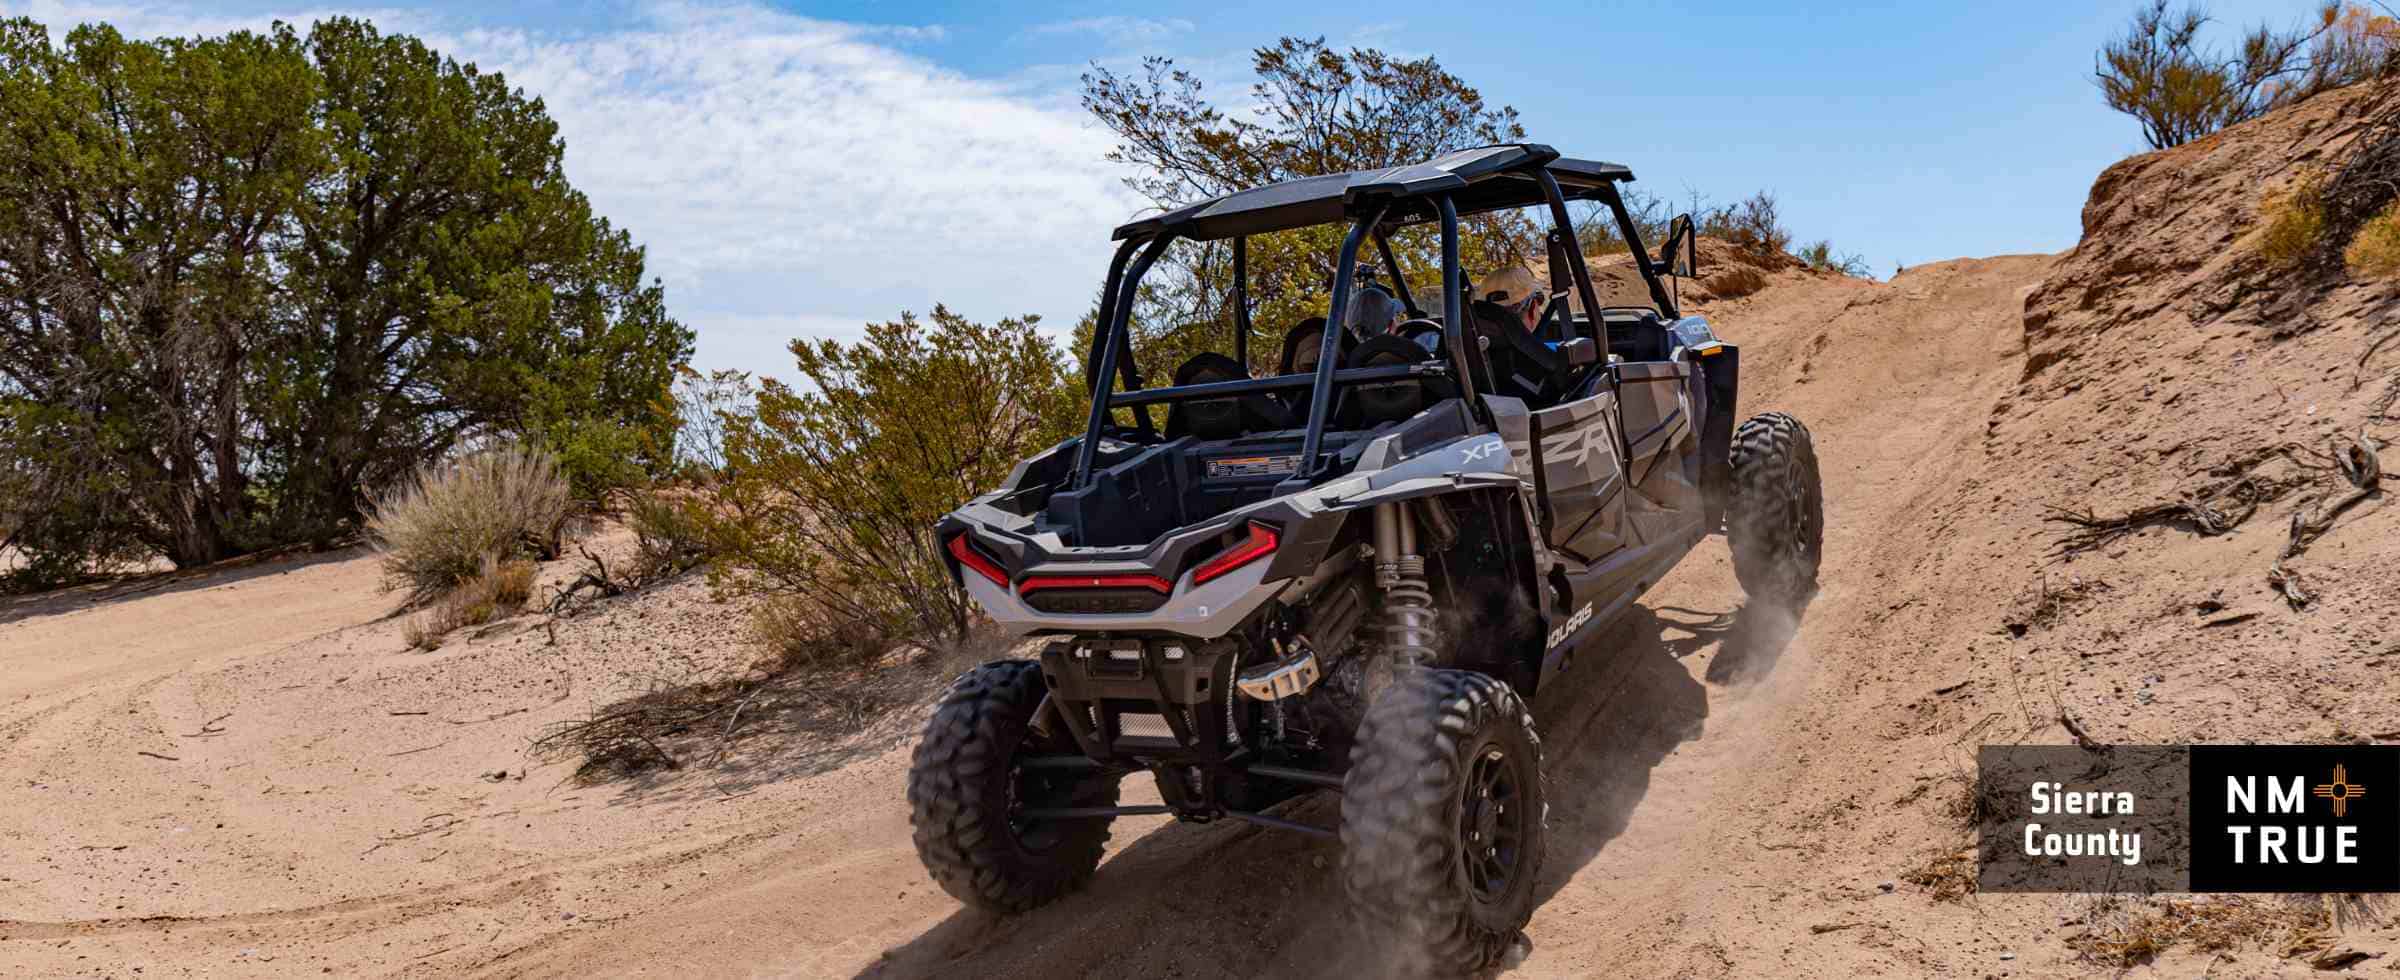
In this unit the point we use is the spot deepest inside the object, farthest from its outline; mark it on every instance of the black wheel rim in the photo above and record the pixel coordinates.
(1492, 824)
(1033, 789)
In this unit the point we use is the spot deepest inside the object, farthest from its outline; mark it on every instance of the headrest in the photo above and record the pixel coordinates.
(1311, 332)
(1387, 401)
(1220, 418)
(1423, 333)
(1384, 351)
(1208, 366)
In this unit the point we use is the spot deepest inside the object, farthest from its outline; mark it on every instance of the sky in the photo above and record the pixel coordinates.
(803, 169)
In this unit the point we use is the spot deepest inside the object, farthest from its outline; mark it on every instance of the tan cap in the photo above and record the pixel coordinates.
(1508, 286)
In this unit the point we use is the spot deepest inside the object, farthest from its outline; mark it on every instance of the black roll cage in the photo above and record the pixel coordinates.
(1111, 353)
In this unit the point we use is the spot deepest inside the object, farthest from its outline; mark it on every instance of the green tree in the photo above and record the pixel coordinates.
(1314, 111)
(836, 484)
(2178, 88)
(246, 279)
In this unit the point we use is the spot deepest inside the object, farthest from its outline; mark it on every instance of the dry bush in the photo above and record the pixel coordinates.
(798, 634)
(2285, 926)
(1735, 281)
(2292, 221)
(2046, 602)
(2374, 253)
(837, 482)
(1750, 224)
(1819, 256)
(439, 526)
(671, 534)
(499, 590)
(1948, 876)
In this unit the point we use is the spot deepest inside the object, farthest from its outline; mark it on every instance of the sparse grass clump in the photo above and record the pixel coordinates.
(498, 591)
(2374, 253)
(2285, 926)
(2292, 221)
(1819, 256)
(439, 527)
(1948, 876)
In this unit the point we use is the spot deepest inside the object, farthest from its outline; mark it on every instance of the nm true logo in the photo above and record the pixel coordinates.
(2295, 818)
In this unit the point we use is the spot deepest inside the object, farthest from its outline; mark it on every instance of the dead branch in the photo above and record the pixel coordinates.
(2083, 738)
(210, 727)
(2358, 463)
(595, 580)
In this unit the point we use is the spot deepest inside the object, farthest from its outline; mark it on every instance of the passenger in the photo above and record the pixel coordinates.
(1514, 289)
(1373, 312)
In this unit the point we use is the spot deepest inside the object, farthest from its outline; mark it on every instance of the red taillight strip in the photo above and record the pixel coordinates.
(1261, 543)
(971, 558)
(1151, 582)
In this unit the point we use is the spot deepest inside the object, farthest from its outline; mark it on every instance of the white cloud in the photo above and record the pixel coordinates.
(1116, 29)
(791, 174)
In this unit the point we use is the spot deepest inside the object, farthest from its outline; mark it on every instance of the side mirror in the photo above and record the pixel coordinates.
(1681, 256)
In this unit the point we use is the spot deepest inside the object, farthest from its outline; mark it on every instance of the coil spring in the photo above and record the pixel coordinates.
(1408, 614)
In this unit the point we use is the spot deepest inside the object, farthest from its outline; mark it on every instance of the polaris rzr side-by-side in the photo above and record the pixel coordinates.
(1352, 574)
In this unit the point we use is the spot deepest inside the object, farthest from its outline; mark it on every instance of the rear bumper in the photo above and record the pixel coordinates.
(1198, 611)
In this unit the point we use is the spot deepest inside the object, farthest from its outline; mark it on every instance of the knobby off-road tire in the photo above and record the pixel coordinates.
(965, 791)
(1776, 520)
(1443, 820)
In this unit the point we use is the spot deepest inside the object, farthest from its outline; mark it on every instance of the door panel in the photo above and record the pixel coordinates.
(1663, 494)
(1583, 475)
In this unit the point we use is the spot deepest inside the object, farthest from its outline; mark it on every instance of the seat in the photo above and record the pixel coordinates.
(1221, 418)
(1369, 405)
(1423, 333)
(1522, 366)
(1301, 345)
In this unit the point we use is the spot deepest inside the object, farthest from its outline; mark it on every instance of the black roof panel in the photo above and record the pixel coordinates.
(1484, 178)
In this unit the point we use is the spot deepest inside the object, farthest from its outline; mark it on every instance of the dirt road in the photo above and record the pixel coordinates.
(249, 769)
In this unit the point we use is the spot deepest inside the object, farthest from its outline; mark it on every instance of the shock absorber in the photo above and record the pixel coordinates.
(1408, 613)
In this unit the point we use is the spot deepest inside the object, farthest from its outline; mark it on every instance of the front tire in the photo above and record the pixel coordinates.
(1443, 820)
(1776, 524)
(967, 791)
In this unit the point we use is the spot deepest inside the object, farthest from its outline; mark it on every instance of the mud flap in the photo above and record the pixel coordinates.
(1719, 378)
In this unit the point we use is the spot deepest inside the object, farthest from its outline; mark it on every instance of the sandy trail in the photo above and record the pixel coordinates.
(370, 810)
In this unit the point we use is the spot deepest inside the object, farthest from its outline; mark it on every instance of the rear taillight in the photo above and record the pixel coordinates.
(1152, 582)
(1259, 544)
(970, 558)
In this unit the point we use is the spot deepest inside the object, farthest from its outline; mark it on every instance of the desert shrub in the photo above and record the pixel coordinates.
(672, 533)
(497, 590)
(439, 527)
(1750, 224)
(797, 634)
(2374, 252)
(1819, 256)
(2160, 72)
(2292, 221)
(836, 486)
(704, 405)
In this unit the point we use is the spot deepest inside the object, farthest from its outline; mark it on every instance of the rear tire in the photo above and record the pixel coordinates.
(1776, 524)
(965, 790)
(1443, 821)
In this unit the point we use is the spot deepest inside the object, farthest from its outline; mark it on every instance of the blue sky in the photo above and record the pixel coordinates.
(799, 169)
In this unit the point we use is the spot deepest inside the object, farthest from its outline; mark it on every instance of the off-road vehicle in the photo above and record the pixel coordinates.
(1353, 573)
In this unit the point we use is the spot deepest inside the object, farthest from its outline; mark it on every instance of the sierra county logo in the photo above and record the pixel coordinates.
(2312, 818)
